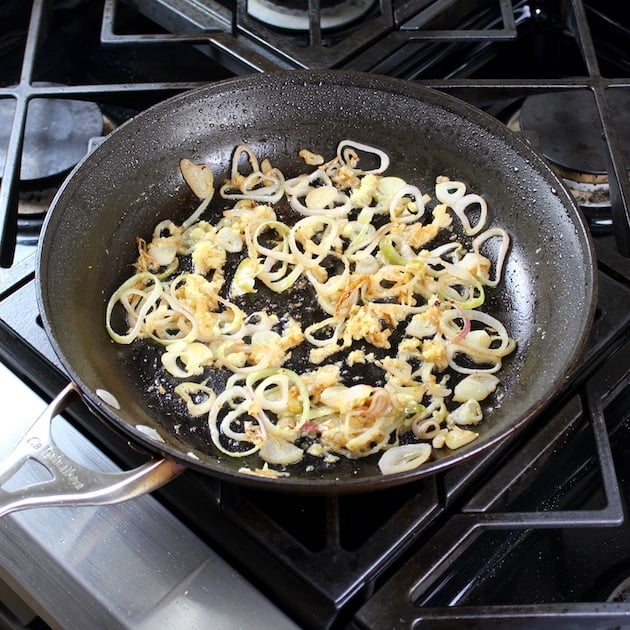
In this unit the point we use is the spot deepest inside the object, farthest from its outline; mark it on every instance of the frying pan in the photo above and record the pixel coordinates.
(132, 181)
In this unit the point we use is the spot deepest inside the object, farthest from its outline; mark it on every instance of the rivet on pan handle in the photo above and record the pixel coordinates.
(72, 483)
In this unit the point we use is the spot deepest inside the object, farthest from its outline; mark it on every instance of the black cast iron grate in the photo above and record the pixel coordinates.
(245, 43)
(320, 552)
(481, 549)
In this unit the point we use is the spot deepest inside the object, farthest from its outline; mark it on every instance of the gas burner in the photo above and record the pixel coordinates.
(56, 137)
(32, 208)
(34, 201)
(567, 131)
(294, 15)
(58, 134)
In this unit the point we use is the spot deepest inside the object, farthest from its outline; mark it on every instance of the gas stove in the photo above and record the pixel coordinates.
(532, 534)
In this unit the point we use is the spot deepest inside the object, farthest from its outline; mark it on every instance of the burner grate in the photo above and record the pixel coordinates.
(379, 29)
(398, 555)
(29, 95)
(527, 511)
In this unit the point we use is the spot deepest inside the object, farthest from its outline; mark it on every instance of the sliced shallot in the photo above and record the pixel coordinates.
(402, 458)
(199, 177)
(476, 386)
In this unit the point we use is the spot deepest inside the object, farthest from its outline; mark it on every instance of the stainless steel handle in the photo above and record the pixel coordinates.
(71, 483)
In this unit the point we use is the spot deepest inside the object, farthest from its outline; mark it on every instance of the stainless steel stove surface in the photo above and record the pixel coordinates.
(533, 534)
(132, 565)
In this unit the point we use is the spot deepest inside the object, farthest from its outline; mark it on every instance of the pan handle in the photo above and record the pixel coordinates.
(70, 482)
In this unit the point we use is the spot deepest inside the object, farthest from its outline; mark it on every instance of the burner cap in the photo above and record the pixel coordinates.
(568, 128)
(56, 137)
(293, 15)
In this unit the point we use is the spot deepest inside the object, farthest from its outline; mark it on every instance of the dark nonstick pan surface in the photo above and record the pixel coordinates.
(132, 181)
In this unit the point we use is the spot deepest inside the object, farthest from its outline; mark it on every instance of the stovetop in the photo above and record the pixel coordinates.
(530, 533)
